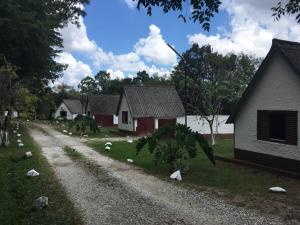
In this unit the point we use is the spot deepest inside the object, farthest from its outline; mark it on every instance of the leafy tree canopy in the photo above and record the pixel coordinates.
(291, 7)
(30, 39)
(200, 10)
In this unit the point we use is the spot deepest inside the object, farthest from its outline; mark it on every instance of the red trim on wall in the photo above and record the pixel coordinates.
(145, 126)
(105, 120)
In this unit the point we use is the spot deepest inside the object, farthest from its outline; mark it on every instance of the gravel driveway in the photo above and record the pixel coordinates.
(122, 194)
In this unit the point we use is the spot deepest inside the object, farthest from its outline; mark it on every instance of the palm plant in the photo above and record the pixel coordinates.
(82, 122)
(175, 145)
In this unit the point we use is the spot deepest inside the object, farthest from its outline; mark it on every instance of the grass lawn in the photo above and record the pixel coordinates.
(18, 193)
(224, 148)
(104, 131)
(244, 186)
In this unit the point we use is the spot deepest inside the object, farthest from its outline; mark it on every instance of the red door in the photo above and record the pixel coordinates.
(104, 120)
(145, 126)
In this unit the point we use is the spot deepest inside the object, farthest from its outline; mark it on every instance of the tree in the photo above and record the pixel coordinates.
(88, 87)
(175, 151)
(291, 7)
(102, 79)
(7, 76)
(26, 102)
(30, 41)
(201, 10)
(212, 81)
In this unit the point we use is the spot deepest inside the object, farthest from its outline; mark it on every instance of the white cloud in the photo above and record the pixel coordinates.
(76, 69)
(154, 48)
(76, 39)
(117, 74)
(252, 28)
(131, 4)
(147, 53)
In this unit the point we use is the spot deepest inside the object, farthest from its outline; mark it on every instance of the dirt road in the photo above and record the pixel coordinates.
(122, 194)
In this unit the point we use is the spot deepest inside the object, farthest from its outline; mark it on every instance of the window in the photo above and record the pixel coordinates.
(278, 126)
(124, 117)
(63, 114)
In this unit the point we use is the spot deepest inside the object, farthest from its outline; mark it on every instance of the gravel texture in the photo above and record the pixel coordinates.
(120, 193)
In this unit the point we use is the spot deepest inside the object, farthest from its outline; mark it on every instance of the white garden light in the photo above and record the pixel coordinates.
(32, 173)
(20, 144)
(176, 175)
(277, 189)
(130, 160)
(108, 143)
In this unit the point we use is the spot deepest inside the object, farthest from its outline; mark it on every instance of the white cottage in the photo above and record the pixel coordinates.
(69, 109)
(266, 120)
(143, 109)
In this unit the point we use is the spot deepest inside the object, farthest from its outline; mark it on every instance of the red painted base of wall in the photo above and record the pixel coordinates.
(268, 160)
(105, 120)
(145, 126)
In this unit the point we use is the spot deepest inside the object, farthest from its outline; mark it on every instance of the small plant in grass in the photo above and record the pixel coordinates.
(175, 145)
(72, 152)
(81, 123)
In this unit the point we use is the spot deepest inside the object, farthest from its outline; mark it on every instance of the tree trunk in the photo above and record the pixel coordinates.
(4, 128)
(212, 135)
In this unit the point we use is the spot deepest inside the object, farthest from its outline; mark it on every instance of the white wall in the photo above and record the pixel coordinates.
(63, 107)
(115, 119)
(196, 123)
(278, 89)
(124, 107)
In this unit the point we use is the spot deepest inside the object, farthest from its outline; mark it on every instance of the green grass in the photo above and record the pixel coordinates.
(18, 193)
(224, 148)
(226, 179)
(104, 131)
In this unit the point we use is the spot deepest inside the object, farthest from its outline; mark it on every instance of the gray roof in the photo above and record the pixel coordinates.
(74, 105)
(104, 104)
(289, 50)
(153, 101)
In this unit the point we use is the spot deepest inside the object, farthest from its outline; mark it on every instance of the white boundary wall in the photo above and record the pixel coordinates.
(196, 123)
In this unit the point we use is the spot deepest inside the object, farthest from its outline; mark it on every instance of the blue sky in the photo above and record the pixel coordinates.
(116, 37)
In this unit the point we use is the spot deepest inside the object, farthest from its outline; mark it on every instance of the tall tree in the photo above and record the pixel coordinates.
(7, 76)
(88, 87)
(102, 79)
(30, 38)
(212, 80)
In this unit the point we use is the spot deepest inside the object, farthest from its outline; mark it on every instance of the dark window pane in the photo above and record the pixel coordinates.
(277, 126)
(63, 114)
(124, 117)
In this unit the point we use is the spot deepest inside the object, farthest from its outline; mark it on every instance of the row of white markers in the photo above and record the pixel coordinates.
(42, 201)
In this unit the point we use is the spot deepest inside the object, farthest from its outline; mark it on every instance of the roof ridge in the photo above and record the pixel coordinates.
(150, 85)
(275, 40)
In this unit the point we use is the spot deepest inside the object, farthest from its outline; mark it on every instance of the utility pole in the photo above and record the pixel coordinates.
(185, 84)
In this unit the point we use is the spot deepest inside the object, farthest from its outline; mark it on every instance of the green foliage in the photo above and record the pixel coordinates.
(201, 10)
(291, 7)
(18, 193)
(82, 122)
(30, 39)
(175, 145)
(214, 82)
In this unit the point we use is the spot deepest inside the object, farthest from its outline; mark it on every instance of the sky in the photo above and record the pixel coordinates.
(118, 38)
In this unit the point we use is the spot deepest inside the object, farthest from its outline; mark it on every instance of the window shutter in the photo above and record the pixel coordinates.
(292, 128)
(263, 125)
